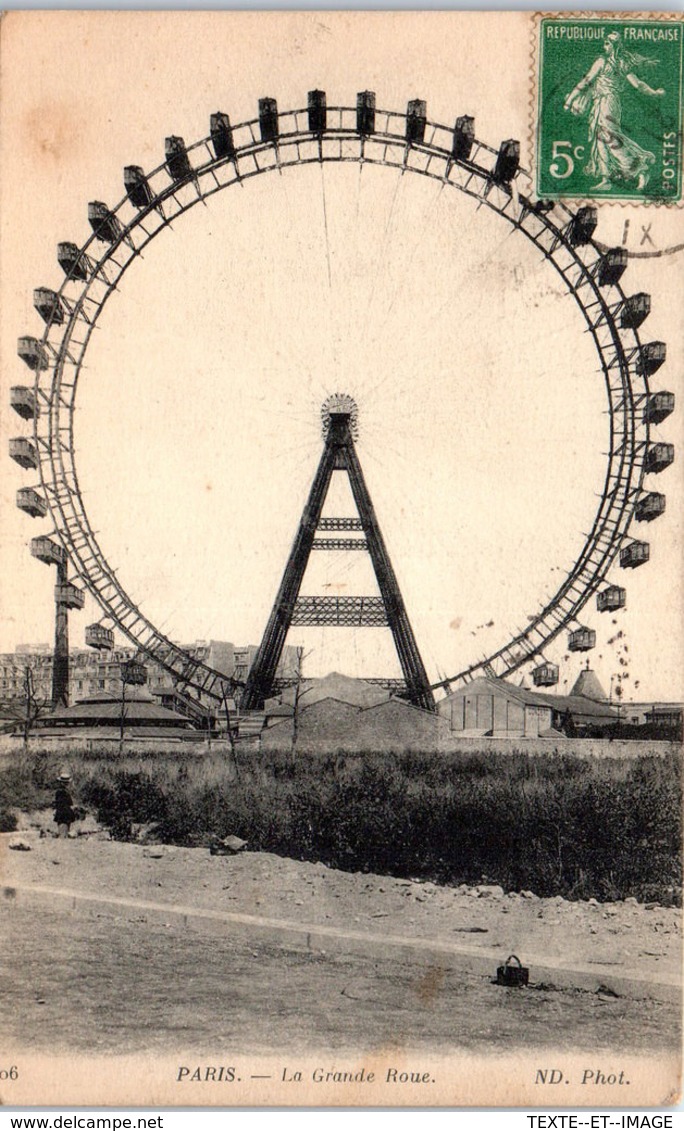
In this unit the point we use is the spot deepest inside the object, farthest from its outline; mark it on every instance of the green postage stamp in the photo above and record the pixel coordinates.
(609, 109)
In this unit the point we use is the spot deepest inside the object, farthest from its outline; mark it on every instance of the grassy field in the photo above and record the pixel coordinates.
(608, 828)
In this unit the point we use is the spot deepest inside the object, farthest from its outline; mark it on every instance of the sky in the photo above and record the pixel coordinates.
(482, 416)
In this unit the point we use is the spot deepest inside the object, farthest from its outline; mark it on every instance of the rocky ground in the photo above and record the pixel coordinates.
(101, 979)
(619, 937)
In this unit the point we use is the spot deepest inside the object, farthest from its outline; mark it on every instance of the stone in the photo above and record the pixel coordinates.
(490, 891)
(229, 846)
(528, 895)
(631, 901)
(154, 854)
(19, 846)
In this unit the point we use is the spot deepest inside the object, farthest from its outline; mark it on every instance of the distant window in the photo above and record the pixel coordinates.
(100, 683)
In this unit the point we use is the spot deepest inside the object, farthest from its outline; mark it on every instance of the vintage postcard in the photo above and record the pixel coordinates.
(342, 623)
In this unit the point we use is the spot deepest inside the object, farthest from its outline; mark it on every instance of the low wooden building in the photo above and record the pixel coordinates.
(497, 707)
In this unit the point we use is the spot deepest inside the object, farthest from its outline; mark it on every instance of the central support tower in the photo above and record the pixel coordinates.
(339, 414)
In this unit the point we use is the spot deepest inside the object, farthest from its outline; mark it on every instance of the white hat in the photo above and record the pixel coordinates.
(65, 777)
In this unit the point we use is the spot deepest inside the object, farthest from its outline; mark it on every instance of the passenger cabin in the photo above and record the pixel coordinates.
(177, 160)
(317, 111)
(612, 266)
(31, 502)
(23, 452)
(545, 675)
(137, 188)
(49, 305)
(612, 598)
(650, 506)
(222, 134)
(23, 401)
(48, 551)
(507, 162)
(634, 555)
(99, 637)
(581, 640)
(103, 222)
(134, 673)
(365, 112)
(659, 406)
(658, 457)
(463, 137)
(32, 353)
(72, 261)
(583, 225)
(268, 119)
(651, 358)
(635, 311)
(416, 120)
(69, 596)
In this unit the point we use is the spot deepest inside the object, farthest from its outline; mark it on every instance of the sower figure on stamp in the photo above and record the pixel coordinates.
(65, 814)
(612, 154)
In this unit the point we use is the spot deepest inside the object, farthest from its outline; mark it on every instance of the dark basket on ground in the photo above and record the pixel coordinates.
(508, 975)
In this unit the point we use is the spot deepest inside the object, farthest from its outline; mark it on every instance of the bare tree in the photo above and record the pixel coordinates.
(27, 709)
(301, 657)
(122, 721)
(231, 733)
(133, 672)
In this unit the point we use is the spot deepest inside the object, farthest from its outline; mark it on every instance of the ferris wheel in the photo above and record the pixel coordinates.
(408, 143)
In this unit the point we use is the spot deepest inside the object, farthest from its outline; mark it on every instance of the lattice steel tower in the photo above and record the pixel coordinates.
(339, 416)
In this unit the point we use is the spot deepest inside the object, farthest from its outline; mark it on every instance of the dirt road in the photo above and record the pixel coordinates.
(105, 979)
(609, 936)
(108, 983)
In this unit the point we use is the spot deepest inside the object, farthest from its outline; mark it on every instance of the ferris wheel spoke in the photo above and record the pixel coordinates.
(400, 289)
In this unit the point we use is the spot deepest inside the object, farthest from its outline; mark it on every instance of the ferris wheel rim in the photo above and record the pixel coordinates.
(61, 485)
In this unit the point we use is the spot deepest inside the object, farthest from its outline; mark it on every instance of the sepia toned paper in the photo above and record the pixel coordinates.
(483, 431)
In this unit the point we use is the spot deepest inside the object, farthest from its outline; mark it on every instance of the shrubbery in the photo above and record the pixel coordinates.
(607, 828)
(24, 786)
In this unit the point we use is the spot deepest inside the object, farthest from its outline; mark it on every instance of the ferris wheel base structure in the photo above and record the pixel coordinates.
(407, 142)
(339, 455)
